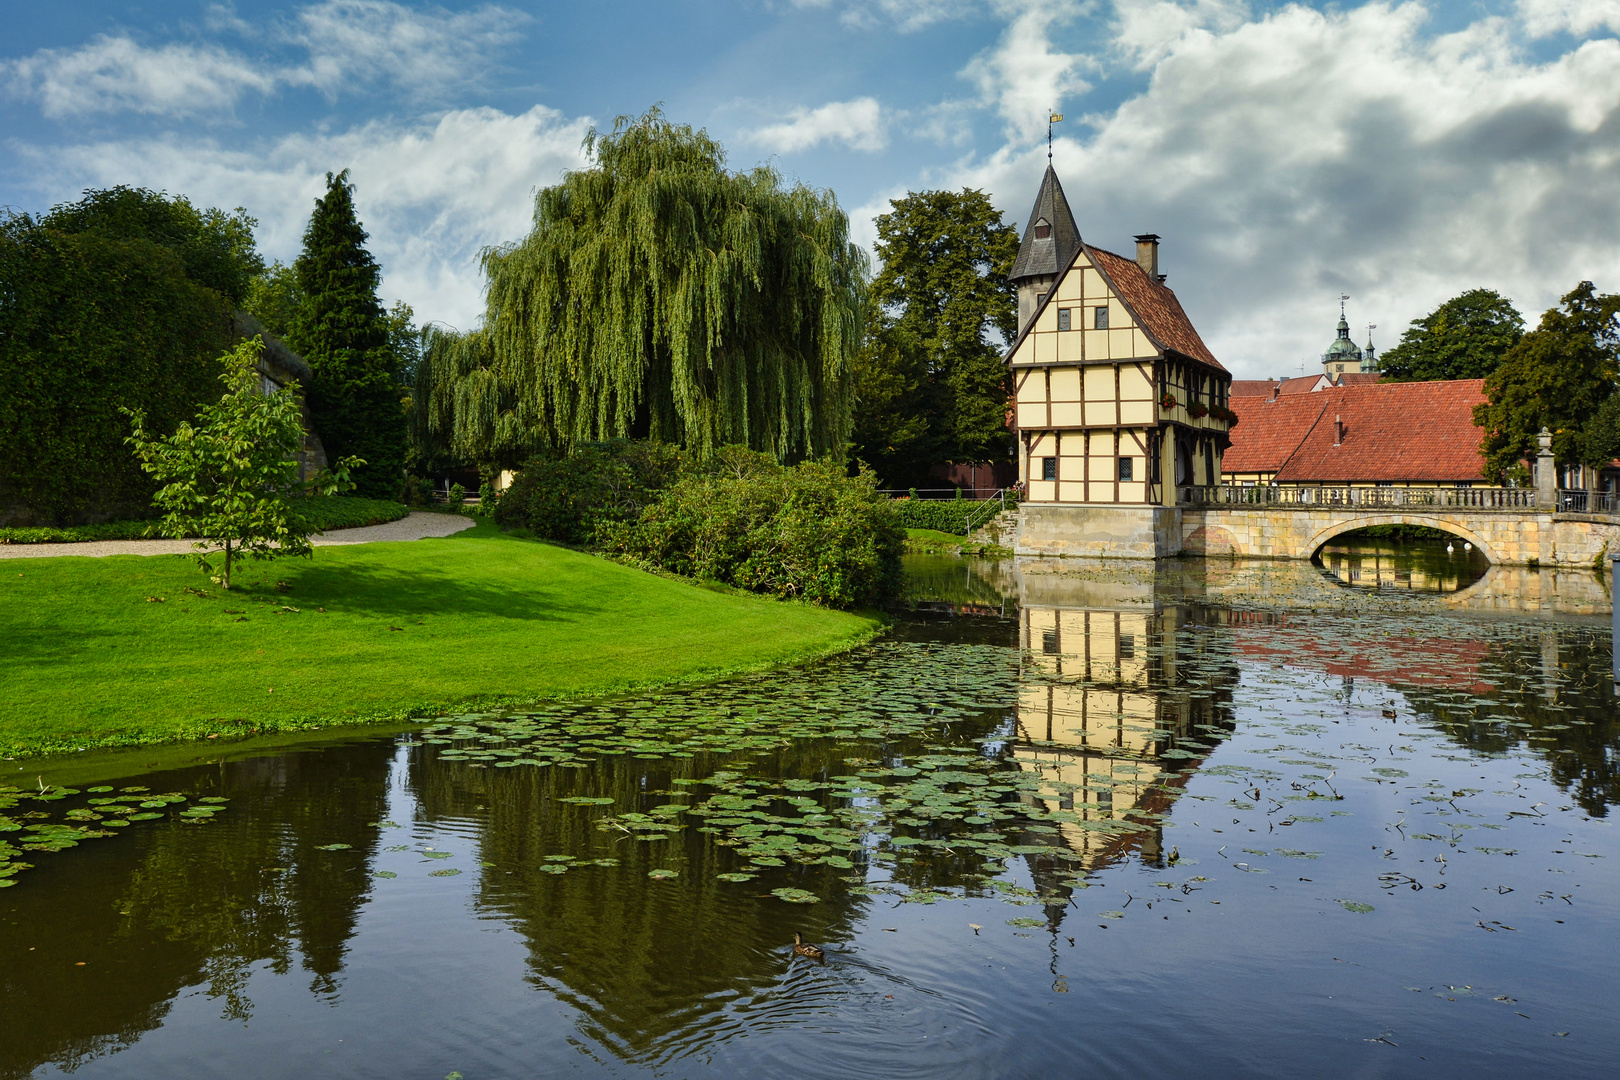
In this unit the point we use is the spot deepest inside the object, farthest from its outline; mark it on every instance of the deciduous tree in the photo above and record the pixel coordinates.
(659, 295)
(1557, 376)
(1466, 337)
(230, 476)
(933, 386)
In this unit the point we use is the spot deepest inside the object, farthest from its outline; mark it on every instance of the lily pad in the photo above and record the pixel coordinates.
(663, 875)
(796, 896)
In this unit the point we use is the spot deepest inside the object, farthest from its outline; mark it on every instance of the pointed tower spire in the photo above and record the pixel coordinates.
(1050, 236)
(1050, 240)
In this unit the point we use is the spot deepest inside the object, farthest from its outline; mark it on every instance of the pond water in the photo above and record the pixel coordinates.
(1410, 566)
(1232, 819)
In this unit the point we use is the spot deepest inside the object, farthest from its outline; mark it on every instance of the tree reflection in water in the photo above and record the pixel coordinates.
(1120, 684)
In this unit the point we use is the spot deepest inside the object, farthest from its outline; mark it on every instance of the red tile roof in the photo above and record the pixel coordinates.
(1359, 378)
(1422, 432)
(1269, 431)
(1302, 384)
(1252, 387)
(1154, 304)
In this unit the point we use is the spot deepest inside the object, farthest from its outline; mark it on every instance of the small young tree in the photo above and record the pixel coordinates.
(230, 476)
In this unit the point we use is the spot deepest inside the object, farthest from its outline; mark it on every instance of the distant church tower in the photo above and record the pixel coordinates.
(1342, 355)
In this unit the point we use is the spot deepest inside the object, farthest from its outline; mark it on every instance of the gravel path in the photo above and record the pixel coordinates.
(413, 526)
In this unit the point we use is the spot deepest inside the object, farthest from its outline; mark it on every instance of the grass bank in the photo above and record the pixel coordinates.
(123, 651)
(934, 542)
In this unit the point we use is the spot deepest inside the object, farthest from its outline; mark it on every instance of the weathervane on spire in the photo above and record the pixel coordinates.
(1342, 298)
(1051, 118)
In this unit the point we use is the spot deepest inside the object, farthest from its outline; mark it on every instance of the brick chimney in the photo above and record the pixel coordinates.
(1147, 254)
(1338, 431)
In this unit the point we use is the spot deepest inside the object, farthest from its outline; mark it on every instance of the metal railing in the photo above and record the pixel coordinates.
(1582, 501)
(1316, 498)
(989, 508)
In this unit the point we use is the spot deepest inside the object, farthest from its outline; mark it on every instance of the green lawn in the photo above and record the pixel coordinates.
(407, 629)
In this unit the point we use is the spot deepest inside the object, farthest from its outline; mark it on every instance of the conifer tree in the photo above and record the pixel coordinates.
(341, 329)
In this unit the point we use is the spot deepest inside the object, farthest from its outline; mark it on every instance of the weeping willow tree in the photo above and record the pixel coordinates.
(659, 296)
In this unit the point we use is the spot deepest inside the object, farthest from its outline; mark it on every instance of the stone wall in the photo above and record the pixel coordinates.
(1117, 532)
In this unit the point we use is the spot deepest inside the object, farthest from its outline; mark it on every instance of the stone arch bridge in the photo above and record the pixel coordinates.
(1504, 524)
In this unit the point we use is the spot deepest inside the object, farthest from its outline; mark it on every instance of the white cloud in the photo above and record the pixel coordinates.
(1024, 74)
(347, 44)
(858, 124)
(1146, 30)
(431, 195)
(1307, 153)
(1543, 18)
(116, 74)
(906, 15)
(420, 51)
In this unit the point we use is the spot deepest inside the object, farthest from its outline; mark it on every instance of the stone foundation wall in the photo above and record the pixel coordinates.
(1115, 532)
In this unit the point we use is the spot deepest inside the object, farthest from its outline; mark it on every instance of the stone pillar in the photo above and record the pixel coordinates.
(1546, 473)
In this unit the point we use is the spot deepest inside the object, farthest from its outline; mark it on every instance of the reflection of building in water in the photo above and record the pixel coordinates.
(1104, 700)
(1417, 571)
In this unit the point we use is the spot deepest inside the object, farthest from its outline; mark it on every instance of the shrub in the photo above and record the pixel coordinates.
(457, 496)
(418, 491)
(807, 532)
(575, 499)
(943, 515)
(486, 499)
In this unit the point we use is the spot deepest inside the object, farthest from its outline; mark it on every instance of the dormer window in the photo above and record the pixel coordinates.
(1043, 230)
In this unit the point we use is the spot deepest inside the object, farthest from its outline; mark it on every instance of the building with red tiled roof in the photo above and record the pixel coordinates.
(1402, 434)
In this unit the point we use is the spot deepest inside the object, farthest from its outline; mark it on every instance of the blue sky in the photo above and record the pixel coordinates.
(1287, 152)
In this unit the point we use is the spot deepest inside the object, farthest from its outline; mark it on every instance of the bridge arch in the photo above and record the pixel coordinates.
(1444, 524)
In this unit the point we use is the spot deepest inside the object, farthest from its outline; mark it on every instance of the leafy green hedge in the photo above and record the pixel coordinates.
(121, 299)
(943, 515)
(334, 512)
